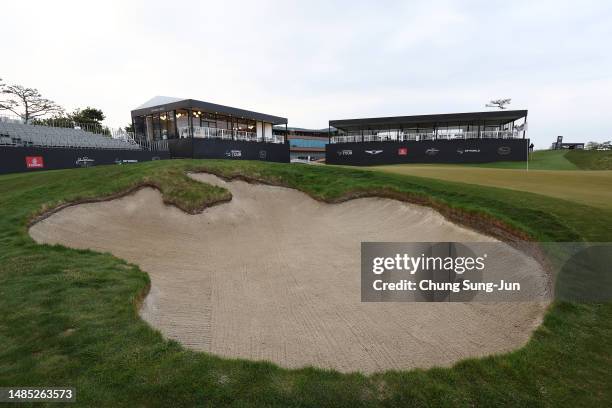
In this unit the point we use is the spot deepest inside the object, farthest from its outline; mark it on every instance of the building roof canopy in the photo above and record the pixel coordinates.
(166, 103)
(429, 121)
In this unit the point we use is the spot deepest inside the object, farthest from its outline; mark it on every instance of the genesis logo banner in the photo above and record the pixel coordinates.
(373, 151)
(504, 150)
(432, 151)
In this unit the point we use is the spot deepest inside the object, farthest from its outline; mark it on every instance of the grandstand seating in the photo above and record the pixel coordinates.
(18, 134)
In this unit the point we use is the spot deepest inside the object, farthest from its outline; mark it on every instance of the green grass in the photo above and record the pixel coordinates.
(559, 160)
(538, 160)
(592, 188)
(590, 159)
(68, 317)
(551, 160)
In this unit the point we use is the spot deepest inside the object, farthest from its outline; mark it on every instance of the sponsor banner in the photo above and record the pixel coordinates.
(234, 154)
(229, 149)
(485, 271)
(35, 162)
(504, 150)
(463, 151)
(128, 161)
(85, 162)
(430, 151)
(14, 159)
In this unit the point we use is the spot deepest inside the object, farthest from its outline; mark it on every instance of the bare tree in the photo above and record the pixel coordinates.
(499, 103)
(27, 103)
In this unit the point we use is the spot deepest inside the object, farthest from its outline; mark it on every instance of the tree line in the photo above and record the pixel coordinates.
(599, 146)
(29, 105)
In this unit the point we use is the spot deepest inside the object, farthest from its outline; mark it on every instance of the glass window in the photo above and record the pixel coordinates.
(208, 120)
(170, 125)
(251, 125)
(156, 127)
(223, 122)
(163, 126)
(149, 128)
(308, 143)
(245, 125)
(182, 123)
(139, 127)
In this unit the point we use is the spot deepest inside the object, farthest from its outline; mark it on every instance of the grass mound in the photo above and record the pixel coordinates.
(590, 159)
(538, 160)
(559, 160)
(590, 188)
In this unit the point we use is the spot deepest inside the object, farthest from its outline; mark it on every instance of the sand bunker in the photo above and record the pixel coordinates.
(275, 275)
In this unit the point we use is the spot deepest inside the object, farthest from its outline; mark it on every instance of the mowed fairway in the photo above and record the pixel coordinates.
(590, 187)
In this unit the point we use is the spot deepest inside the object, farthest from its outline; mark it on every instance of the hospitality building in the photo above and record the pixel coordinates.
(474, 137)
(194, 128)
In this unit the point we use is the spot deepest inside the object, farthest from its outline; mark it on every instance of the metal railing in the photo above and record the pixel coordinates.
(501, 134)
(405, 137)
(57, 125)
(154, 146)
(62, 123)
(201, 132)
(413, 136)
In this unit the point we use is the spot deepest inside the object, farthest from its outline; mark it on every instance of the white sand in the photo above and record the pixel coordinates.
(275, 275)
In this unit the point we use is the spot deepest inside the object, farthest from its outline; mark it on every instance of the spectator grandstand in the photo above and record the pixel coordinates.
(13, 133)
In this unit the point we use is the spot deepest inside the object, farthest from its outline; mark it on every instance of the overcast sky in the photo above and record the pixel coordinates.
(312, 61)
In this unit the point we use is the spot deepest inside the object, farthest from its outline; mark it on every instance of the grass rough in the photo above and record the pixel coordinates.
(68, 317)
(590, 159)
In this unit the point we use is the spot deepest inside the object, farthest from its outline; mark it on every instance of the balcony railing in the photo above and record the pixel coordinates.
(201, 132)
(155, 145)
(404, 137)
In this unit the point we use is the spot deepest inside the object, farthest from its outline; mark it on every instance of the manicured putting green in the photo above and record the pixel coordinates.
(590, 187)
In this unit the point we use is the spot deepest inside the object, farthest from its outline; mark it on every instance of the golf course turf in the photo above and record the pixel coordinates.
(590, 159)
(575, 159)
(69, 317)
(550, 173)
